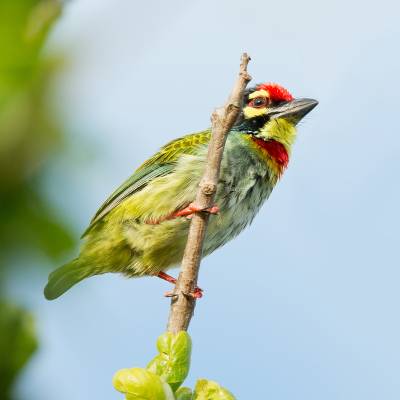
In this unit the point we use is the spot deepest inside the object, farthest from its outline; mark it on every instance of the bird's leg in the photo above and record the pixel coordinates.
(197, 293)
(167, 277)
(185, 212)
(192, 209)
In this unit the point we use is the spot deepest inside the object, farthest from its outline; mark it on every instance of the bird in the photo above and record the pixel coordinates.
(141, 229)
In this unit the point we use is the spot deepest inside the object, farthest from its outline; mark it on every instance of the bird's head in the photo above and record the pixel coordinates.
(270, 112)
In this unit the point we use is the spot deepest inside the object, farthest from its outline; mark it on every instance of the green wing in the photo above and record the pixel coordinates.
(161, 164)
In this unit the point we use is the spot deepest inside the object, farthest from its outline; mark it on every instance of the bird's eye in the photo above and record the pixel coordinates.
(258, 102)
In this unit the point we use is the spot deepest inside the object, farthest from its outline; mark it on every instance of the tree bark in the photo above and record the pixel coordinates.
(223, 118)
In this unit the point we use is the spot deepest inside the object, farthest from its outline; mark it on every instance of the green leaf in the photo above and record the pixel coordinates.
(173, 361)
(210, 390)
(184, 393)
(140, 384)
(17, 344)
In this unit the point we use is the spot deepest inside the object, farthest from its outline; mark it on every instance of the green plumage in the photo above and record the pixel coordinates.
(65, 277)
(130, 234)
(161, 164)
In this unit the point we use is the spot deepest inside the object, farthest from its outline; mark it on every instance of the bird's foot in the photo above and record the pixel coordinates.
(193, 209)
(187, 212)
(197, 293)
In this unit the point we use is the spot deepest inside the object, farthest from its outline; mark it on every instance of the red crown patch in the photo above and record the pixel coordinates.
(276, 92)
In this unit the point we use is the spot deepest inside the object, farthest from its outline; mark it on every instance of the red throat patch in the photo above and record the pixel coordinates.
(275, 150)
(276, 92)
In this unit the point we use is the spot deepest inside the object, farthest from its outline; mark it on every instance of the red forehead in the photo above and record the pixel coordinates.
(276, 92)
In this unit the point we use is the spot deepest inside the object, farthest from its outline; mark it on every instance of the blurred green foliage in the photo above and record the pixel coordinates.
(17, 335)
(29, 135)
(164, 375)
(29, 132)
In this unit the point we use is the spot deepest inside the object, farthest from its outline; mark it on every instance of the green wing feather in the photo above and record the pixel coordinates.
(161, 164)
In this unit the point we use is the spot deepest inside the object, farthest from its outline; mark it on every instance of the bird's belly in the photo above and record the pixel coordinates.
(237, 212)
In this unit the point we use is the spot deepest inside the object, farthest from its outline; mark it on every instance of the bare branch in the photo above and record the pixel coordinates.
(223, 118)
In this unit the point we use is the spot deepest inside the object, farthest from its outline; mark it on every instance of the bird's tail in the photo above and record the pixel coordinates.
(65, 277)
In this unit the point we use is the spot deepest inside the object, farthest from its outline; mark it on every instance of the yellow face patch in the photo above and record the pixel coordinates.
(259, 93)
(250, 112)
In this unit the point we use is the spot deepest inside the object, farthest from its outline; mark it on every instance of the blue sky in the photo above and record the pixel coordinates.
(304, 304)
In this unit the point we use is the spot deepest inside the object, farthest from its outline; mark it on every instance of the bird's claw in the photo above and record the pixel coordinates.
(193, 209)
(196, 294)
(213, 210)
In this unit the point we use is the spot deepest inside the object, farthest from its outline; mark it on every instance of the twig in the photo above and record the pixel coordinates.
(223, 118)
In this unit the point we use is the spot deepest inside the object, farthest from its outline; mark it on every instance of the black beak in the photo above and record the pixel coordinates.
(293, 110)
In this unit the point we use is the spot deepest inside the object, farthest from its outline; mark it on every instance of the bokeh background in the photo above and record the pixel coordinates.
(305, 303)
